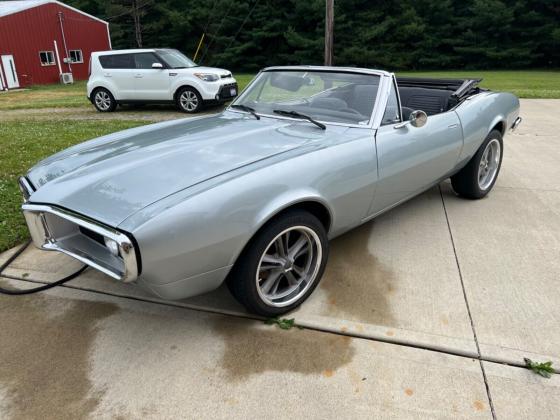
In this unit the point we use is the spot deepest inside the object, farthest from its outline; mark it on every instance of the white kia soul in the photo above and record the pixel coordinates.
(155, 76)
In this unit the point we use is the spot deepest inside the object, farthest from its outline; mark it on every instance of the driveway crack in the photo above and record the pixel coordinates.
(479, 357)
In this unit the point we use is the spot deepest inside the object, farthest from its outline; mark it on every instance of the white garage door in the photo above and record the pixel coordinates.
(10, 72)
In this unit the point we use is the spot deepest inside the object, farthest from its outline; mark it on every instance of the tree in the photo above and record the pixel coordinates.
(411, 34)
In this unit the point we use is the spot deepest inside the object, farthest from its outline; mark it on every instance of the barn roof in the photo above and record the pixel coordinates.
(15, 6)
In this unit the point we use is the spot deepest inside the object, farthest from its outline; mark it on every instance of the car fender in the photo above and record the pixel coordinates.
(286, 200)
(206, 227)
(480, 114)
(107, 84)
(186, 81)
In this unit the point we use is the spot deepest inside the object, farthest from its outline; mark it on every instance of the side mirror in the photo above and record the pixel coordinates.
(158, 66)
(418, 118)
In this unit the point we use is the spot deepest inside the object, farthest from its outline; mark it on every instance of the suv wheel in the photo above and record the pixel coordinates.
(189, 100)
(103, 100)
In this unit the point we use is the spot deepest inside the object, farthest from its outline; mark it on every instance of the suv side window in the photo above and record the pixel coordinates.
(117, 61)
(392, 113)
(145, 60)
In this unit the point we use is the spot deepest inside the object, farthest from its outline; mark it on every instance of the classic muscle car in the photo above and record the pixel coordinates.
(252, 195)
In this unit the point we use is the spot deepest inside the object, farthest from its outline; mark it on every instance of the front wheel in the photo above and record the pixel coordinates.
(478, 177)
(189, 100)
(282, 265)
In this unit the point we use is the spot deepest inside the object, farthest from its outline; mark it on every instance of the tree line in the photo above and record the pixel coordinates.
(246, 35)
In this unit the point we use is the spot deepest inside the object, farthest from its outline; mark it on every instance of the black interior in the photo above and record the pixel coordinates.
(431, 101)
(359, 98)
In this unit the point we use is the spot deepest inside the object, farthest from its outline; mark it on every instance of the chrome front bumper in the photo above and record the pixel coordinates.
(56, 229)
(516, 123)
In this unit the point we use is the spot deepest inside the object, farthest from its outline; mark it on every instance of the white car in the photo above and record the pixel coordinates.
(144, 76)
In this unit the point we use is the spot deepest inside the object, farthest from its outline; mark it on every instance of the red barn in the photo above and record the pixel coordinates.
(40, 40)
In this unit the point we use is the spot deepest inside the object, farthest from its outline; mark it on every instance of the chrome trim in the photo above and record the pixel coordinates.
(25, 188)
(516, 123)
(42, 238)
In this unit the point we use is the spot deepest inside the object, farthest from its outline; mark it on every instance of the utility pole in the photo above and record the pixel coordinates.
(329, 28)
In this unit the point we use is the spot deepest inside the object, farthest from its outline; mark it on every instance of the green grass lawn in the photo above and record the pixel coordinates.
(45, 96)
(22, 144)
(524, 84)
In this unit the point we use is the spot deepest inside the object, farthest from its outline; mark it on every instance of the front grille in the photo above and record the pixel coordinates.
(92, 235)
(225, 91)
(56, 229)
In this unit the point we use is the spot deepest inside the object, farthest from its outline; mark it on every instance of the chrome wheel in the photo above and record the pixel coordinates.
(489, 164)
(289, 266)
(102, 100)
(188, 101)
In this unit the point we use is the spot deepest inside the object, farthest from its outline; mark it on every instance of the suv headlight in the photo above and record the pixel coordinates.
(207, 77)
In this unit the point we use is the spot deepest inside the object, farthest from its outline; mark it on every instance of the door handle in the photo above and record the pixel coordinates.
(107, 74)
(138, 76)
(453, 125)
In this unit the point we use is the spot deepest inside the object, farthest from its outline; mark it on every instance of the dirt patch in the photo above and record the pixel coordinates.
(45, 343)
(251, 349)
(359, 287)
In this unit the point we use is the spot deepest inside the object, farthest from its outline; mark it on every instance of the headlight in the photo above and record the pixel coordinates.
(207, 77)
(112, 246)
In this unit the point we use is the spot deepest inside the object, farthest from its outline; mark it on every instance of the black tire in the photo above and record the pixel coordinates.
(188, 100)
(242, 281)
(466, 181)
(103, 100)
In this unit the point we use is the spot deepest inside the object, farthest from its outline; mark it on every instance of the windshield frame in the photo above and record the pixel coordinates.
(374, 119)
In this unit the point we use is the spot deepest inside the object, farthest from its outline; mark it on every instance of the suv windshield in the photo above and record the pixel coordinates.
(176, 59)
(327, 96)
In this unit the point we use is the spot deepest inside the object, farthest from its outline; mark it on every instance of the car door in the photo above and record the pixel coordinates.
(150, 84)
(119, 69)
(409, 158)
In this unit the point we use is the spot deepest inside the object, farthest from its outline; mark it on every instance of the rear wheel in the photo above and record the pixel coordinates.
(103, 100)
(188, 100)
(282, 265)
(478, 177)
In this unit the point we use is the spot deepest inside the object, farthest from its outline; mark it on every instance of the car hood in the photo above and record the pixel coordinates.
(202, 69)
(112, 177)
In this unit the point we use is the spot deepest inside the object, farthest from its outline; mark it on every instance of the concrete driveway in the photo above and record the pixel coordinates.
(426, 312)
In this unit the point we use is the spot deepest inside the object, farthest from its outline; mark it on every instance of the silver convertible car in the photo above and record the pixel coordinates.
(252, 195)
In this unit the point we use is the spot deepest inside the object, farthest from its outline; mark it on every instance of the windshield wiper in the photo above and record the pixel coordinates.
(295, 114)
(247, 109)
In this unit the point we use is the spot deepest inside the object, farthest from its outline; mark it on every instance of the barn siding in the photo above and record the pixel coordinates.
(25, 33)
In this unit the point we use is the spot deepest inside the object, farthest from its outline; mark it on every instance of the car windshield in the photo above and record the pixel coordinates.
(176, 59)
(328, 96)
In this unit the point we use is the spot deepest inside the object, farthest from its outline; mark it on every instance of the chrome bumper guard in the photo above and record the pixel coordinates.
(56, 229)
(516, 123)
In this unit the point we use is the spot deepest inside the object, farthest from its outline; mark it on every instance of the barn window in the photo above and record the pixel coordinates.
(76, 56)
(47, 58)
